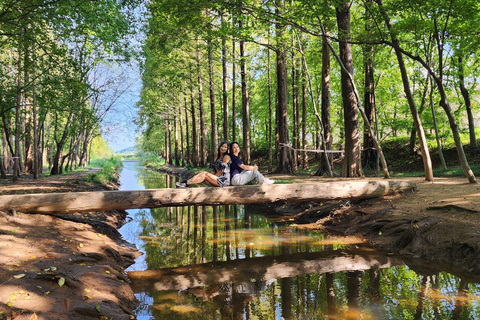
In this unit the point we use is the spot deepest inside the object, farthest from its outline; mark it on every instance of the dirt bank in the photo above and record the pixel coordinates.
(65, 266)
(439, 221)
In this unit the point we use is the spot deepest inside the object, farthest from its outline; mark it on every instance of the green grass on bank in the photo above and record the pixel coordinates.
(439, 172)
(108, 172)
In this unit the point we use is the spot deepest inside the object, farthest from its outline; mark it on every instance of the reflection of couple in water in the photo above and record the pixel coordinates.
(228, 169)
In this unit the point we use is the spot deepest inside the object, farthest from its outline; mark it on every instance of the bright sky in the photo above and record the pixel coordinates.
(118, 127)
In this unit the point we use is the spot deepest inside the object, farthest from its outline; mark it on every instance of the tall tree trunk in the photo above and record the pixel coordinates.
(224, 87)
(435, 126)
(167, 145)
(234, 119)
(427, 162)
(5, 144)
(187, 133)
(270, 111)
(211, 89)
(468, 104)
(175, 135)
(16, 156)
(285, 163)
(421, 108)
(369, 154)
(36, 169)
(352, 166)
(182, 140)
(170, 145)
(325, 108)
(304, 118)
(245, 102)
(27, 132)
(203, 130)
(295, 111)
(195, 154)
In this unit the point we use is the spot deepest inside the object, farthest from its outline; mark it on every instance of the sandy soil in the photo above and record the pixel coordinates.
(63, 267)
(72, 267)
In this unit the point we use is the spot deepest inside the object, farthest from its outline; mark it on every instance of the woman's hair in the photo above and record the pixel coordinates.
(221, 144)
(231, 145)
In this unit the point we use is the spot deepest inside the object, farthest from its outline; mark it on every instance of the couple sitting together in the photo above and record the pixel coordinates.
(228, 169)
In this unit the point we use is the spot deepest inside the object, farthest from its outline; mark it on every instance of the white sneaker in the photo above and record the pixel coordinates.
(268, 181)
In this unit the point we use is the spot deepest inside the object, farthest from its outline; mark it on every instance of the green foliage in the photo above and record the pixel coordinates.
(108, 172)
(151, 160)
(101, 149)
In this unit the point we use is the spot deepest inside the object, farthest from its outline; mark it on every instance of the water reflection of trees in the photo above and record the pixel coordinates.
(189, 236)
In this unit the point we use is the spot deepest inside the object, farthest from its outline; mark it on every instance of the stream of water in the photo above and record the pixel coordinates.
(233, 262)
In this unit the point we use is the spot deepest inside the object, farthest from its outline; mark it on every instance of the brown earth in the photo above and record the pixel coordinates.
(53, 268)
(64, 266)
(438, 221)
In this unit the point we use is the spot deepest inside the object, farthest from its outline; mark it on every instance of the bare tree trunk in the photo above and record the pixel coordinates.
(224, 87)
(295, 109)
(170, 145)
(245, 102)
(203, 130)
(36, 169)
(285, 164)
(369, 153)
(16, 156)
(211, 87)
(187, 133)
(421, 108)
(270, 111)
(5, 143)
(234, 126)
(437, 136)
(352, 166)
(27, 123)
(325, 109)
(427, 162)
(167, 145)
(468, 104)
(182, 140)
(304, 118)
(195, 156)
(175, 135)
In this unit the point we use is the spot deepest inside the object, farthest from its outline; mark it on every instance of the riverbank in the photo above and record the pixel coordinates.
(440, 221)
(68, 266)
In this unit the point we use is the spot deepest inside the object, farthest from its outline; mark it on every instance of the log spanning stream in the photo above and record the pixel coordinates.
(233, 262)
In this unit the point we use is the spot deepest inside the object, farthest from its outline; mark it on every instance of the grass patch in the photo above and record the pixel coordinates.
(449, 172)
(108, 172)
(151, 160)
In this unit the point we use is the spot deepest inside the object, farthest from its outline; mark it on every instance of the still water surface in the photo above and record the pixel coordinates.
(232, 262)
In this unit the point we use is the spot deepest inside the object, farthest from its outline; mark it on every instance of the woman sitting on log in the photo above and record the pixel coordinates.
(242, 173)
(220, 177)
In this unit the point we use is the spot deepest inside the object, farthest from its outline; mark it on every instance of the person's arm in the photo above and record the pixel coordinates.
(248, 168)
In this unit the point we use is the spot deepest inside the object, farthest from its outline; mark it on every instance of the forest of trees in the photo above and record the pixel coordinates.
(337, 77)
(59, 76)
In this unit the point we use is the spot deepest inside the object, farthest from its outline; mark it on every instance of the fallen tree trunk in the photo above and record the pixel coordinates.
(154, 198)
(262, 268)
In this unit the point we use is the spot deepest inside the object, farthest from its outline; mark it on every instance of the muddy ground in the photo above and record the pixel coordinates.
(72, 266)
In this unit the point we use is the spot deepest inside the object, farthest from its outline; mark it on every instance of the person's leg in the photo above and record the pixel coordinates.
(245, 177)
(202, 176)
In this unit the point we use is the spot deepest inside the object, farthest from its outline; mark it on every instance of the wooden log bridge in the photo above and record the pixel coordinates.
(154, 198)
